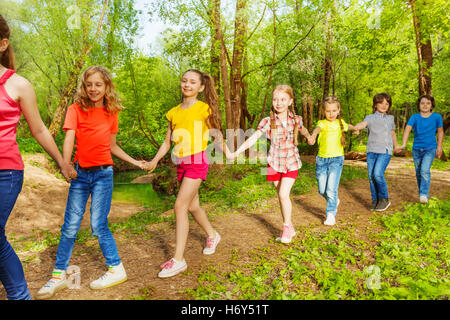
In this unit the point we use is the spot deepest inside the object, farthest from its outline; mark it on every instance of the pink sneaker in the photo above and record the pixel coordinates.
(211, 244)
(287, 234)
(172, 268)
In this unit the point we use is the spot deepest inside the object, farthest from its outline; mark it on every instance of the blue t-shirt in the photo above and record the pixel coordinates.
(425, 130)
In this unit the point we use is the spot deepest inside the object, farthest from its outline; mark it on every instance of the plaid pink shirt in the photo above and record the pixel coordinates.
(283, 153)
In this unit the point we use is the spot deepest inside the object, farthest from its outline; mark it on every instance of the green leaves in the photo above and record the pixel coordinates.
(410, 261)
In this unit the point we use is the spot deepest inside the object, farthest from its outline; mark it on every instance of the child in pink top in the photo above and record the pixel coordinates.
(16, 97)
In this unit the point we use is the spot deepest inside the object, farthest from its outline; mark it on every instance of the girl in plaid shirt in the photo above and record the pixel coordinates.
(282, 129)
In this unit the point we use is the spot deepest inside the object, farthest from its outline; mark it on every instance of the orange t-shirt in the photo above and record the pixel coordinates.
(93, 131)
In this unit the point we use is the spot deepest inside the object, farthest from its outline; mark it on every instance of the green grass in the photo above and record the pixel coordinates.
(409, 261)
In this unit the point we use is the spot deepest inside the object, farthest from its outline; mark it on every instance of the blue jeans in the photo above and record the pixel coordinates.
(98, 184)
(376, 166)
(423, 159)
(11, 271)
(328, 174)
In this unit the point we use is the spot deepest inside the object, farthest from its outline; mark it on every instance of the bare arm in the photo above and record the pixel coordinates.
(440, 140)
(360, 126)
(249, 142)
(69, 141)
(312, 138)
(304, 132)
(163, 149)
(405, 136)
(27, 100)
(394, 140)
(220, 143)
(119, 153)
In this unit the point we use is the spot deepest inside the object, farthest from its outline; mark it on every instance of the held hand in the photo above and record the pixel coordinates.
(398, 149)
(311, 140)
(438, 153)
(68, 171)
(356, 131)
(141, 164)
(150, 166)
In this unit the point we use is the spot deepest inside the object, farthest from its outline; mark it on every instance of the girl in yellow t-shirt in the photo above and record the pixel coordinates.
(189, 128)
(330, 159)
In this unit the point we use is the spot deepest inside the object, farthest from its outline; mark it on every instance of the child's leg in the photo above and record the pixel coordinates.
(76, 205)
(283, 190)
(371, 160)
(334, 176)
(322, 175)
(188, 190)
(379, 169)
(101, 190)
(418, 157)
(200, 216)
(11, 271)
(425, 174)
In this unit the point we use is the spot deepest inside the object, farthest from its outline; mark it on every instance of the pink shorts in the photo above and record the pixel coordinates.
(273, 175)
(194, 166)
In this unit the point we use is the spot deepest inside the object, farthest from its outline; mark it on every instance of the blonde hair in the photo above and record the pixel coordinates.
(288, 90)
(334, 100)
(111, 101)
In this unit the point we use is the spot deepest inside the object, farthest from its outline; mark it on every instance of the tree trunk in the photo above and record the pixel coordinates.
(214, 13)
(424, 52)
(327, 63)
(240, 34)
(71, 84)
(218, 34)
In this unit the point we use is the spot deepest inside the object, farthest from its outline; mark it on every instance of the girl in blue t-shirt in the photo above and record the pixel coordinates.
(425, 147)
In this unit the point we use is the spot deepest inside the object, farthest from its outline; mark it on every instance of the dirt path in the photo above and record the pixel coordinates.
(42, 202)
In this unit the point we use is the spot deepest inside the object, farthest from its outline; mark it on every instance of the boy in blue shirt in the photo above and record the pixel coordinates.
(425, 147)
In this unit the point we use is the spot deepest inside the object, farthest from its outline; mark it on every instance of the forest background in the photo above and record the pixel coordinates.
(351, 49)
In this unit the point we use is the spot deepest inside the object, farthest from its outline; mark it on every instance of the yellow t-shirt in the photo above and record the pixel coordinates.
(330, 138)
(189, 130)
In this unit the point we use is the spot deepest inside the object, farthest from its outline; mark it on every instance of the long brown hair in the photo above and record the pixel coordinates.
(7, 57)
(111, 100)
(334, 100)
(288, 90)
(214, 121)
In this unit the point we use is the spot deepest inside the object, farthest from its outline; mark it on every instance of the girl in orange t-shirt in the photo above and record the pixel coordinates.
(93, 122)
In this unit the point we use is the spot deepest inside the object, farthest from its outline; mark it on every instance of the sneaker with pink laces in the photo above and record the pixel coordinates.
(287, 234)
(211, 244)
(172, 268)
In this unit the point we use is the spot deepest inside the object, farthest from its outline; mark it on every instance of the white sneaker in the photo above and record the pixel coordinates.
(330, 221)
(115, 275)
(172, 268)
(423, 199)
(56, 283)
(211, 244)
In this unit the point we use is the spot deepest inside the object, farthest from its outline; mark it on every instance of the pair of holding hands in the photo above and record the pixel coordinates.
(312, 138)
(403, 146)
